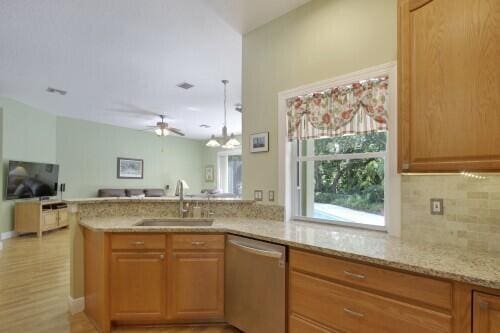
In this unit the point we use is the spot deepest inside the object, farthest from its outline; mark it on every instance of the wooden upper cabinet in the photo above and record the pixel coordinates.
(486, 317)
(449, 85)
(137, 282)
(197, 286)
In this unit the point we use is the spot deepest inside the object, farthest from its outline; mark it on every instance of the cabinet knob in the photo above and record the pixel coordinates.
(405, 166)
(162, 256)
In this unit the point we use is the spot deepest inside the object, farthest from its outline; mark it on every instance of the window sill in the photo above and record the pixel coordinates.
(340, 223)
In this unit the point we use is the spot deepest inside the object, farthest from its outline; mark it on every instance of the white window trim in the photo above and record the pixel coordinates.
(392, 179)
(229, 152)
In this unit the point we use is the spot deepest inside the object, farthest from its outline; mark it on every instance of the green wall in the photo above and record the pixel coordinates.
(320, 40)
(87, 153)
(28, 134)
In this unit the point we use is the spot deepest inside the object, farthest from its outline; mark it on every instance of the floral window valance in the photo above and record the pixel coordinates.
(360, 107)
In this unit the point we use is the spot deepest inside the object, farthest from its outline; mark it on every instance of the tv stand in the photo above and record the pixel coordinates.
(39, 216)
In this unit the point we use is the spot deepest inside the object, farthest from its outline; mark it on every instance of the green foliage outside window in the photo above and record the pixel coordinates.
(357, 183)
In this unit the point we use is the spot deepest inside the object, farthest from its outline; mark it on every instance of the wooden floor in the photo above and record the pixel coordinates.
(34, 289)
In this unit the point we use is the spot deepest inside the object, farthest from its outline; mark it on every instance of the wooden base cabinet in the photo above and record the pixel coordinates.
(138, 286)
(153, 278)
(328, 294)
(486, 316)
(197, 286)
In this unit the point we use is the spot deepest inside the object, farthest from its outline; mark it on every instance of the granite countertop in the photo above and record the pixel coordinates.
(478, 268)
(153, 199)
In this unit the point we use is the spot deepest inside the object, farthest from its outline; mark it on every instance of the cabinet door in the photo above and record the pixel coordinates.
(197, 286)
(449, 84)
(137, 285)
(486, 317)
(49, 220)
(63, 217)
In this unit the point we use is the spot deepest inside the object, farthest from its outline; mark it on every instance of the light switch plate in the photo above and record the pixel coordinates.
(437, 207)
(258, 195)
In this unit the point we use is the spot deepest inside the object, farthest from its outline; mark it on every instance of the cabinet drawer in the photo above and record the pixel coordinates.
(198, 242)
(135, 241)
(350, 310)
(426, 290)
(300, 325)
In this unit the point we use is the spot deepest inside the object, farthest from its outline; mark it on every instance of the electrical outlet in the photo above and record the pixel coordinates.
(437, 207)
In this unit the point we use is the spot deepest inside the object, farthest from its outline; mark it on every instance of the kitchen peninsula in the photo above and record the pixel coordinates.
(433, 288)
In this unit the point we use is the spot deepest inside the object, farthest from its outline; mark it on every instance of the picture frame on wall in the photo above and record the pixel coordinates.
(259, 142)
(209, 174)
(129, 168)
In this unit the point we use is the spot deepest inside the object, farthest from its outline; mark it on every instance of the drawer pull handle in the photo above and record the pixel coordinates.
(198, 243)
(353, 313)
(138, 243)
(354, 275)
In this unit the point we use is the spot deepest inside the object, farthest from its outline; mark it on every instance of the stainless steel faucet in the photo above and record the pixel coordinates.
(180, 188)
(208, 212)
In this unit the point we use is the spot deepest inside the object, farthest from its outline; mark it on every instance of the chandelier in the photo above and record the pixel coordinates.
(226, 142)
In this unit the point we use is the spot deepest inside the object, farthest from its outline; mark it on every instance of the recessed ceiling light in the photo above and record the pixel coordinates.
(205, 126)
(185, 85)
(56, 91)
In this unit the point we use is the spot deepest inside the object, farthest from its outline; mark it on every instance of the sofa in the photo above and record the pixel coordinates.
(130, 192)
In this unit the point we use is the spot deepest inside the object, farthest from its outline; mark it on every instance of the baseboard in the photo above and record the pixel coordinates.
(76, 305)
(8, 234)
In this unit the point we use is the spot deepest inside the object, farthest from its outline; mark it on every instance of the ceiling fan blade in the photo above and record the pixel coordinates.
(176, 131)
(138, 111)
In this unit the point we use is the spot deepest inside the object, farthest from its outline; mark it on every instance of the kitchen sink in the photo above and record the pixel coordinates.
(176, 222)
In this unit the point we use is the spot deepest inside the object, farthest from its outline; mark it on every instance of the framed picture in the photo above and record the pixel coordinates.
(209, 174)
(130, 168)
(259, 142)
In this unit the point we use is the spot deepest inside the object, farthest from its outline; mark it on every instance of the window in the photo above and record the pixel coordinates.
(341, 179)
(229, 172)
(337, 149)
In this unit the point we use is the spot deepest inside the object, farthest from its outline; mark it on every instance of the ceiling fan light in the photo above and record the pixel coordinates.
(213, 142)
(228, 145)
(158, 131)
(233, 141)
(165, 132)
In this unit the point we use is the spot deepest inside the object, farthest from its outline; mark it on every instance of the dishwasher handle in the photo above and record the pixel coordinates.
(250, 249)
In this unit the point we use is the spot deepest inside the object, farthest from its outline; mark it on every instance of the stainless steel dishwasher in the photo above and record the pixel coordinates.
(255, 285)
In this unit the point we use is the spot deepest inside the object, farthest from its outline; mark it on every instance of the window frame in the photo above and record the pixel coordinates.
(226, 154)
(392, 180)
(296, 158)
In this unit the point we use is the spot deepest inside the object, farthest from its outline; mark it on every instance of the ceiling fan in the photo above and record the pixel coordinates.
(163, 129)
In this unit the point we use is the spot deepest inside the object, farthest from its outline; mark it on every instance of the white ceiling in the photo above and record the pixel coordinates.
(246, 15)
(114, 56)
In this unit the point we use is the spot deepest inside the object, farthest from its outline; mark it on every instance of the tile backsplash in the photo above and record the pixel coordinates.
(471, 210)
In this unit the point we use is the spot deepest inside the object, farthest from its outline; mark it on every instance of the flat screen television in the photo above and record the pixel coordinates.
(31, 180)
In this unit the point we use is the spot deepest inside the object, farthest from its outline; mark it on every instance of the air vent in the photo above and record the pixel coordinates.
(56, 91)
(185, 85)
(204, 126)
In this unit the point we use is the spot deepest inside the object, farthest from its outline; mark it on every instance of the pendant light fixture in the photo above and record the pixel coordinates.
(226, 142)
